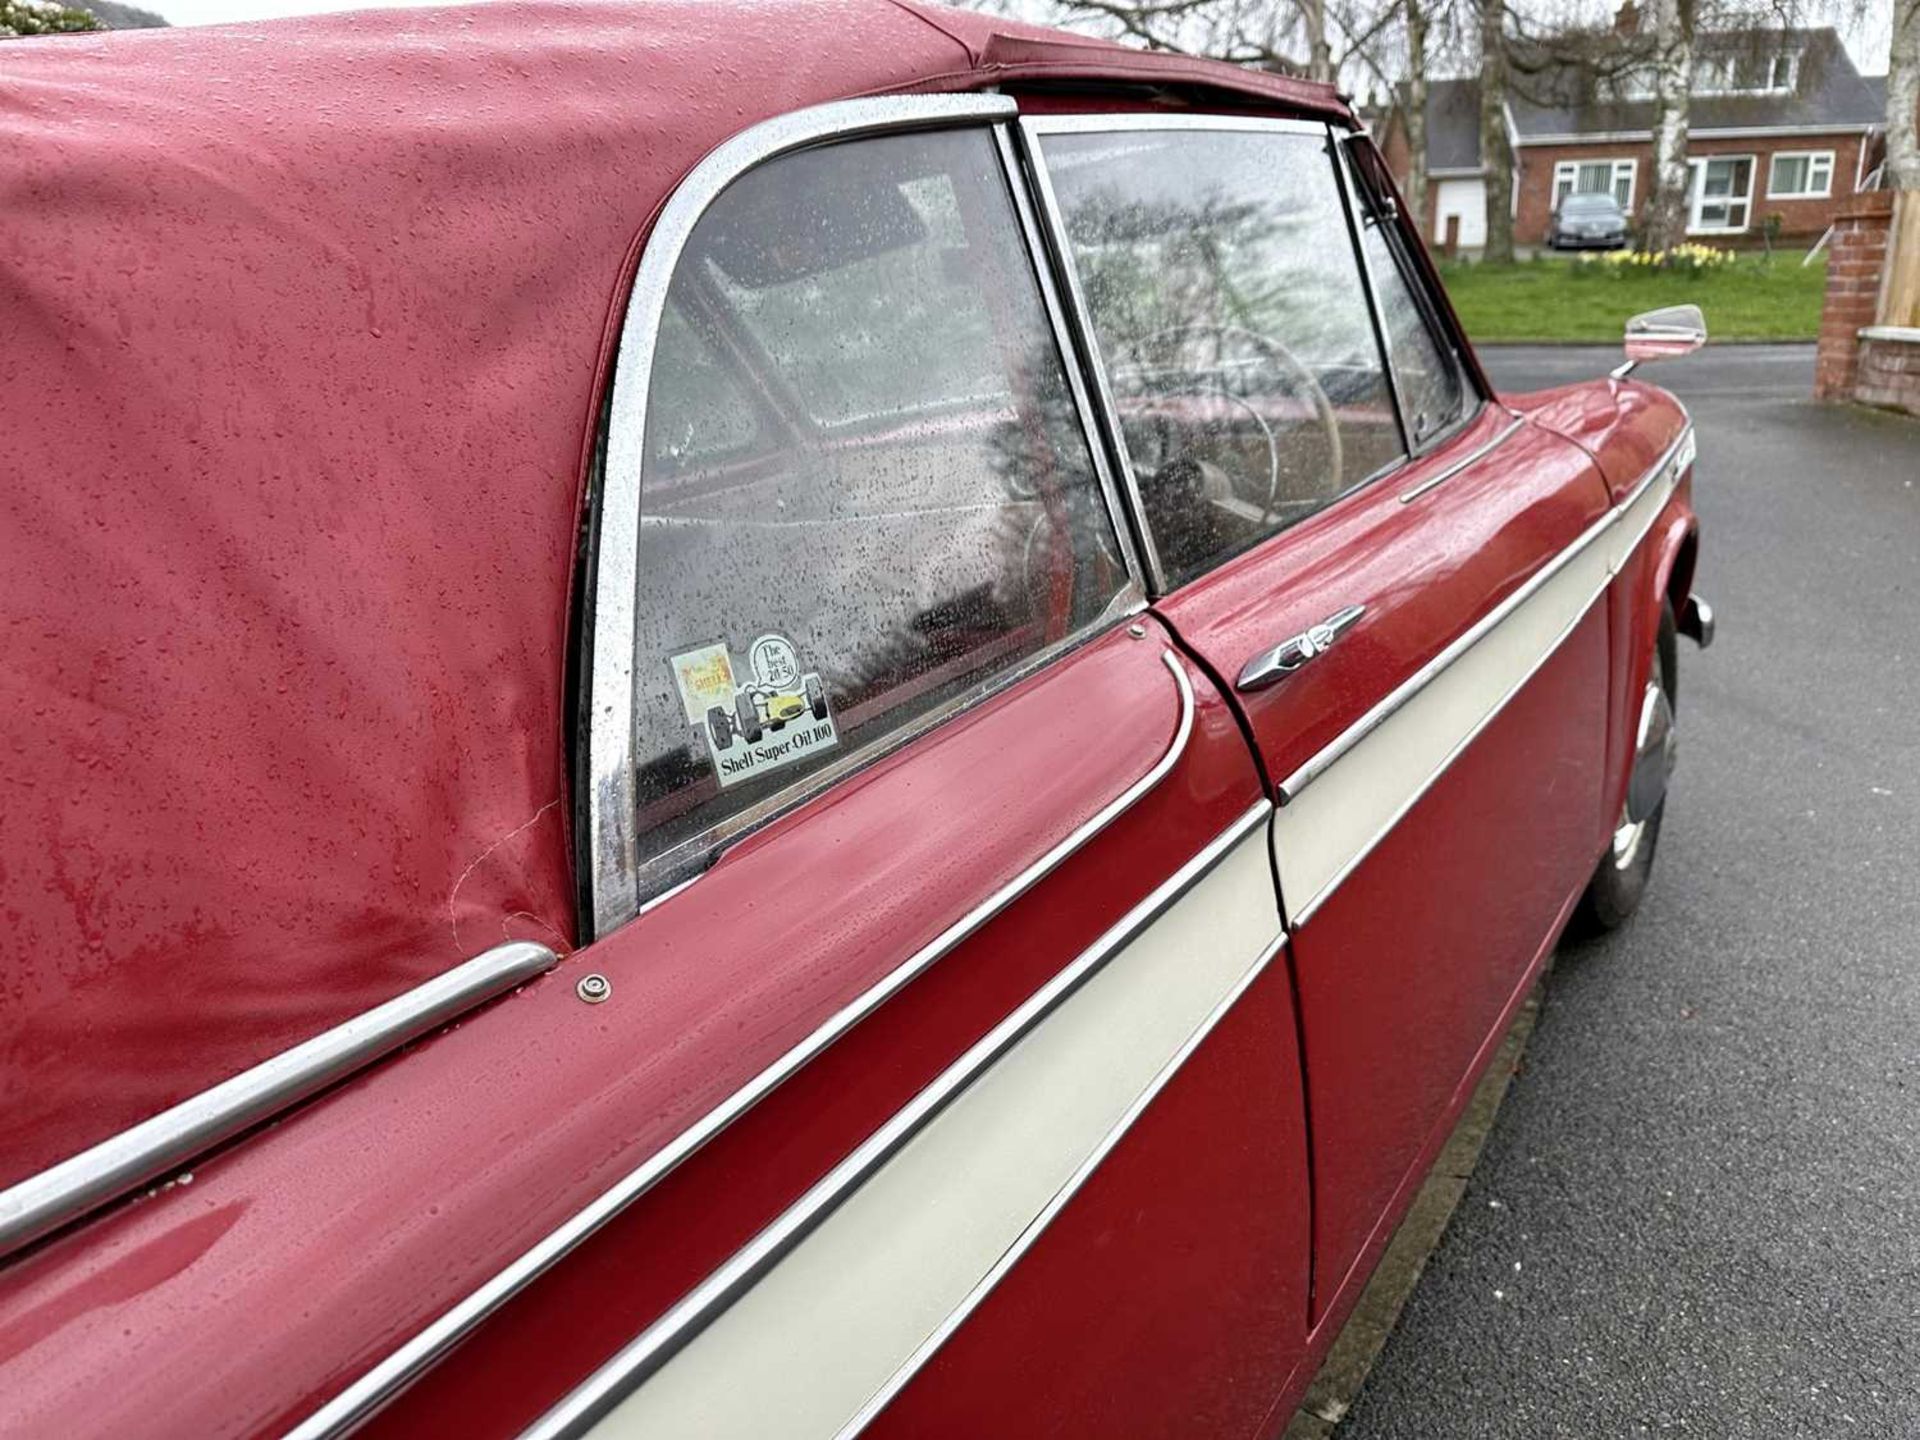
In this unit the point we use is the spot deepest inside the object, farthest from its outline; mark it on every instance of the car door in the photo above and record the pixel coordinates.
(931, 881)
(1385, 570)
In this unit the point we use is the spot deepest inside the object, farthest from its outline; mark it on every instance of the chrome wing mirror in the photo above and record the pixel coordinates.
(1663, 334)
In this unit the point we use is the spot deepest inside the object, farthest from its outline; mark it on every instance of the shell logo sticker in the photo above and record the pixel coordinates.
(751, 726)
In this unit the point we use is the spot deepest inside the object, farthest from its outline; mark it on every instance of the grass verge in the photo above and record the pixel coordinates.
(1555, 299)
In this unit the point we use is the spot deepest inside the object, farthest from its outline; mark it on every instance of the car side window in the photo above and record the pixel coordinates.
(1432, 390)
(866, 494)
(1227, 302)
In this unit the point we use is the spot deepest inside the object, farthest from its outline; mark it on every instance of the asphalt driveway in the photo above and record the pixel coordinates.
(1699, 1209)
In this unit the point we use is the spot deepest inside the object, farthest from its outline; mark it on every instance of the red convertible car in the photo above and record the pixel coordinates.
(1203, 702)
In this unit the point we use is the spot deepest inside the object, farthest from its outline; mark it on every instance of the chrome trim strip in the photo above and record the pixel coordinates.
(1108, 409)
(1357, 222)
(1037, 253)
(66, 1191)
(1118, 121)
(1446, 474)
(626, 1371)
(931, 1345)
(1300, 779)
(379, 1384)
(612, 848)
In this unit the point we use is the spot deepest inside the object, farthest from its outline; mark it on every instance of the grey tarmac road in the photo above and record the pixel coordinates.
(1699, 1209)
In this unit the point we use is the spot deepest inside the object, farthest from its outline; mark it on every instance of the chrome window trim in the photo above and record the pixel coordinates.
(641, 1357)
(141, 1153)
(1141, 120)
(1478, 453)
(609, 841)
(1671, 465)
(1357, 222)
(1033, 128)
(1013, 166)
(386, 1379)
(1088, 349)
(1439, 316)
(1472, 402)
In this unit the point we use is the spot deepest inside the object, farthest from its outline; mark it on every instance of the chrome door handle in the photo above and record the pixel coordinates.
(1270, 667)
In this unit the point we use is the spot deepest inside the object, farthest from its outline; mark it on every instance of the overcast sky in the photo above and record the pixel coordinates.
(1865, 36)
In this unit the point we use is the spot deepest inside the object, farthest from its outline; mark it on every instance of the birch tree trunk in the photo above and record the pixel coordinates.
(1416, 14)
(1672, 100)
(1496, 154)
(1319, 52)
(1903, 98)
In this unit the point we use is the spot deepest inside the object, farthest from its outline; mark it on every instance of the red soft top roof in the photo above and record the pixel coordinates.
(300, 328)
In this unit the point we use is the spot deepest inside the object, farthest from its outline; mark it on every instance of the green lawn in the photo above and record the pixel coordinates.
(1544, 299)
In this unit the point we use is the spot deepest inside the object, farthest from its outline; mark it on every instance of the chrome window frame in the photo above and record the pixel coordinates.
(1032, 131)
(1472, 400)
(609, 842)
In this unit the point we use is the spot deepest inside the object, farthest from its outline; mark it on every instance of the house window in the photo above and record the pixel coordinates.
(1583, 177)
(1801, 175)
(1721, 202)
(1744, 74)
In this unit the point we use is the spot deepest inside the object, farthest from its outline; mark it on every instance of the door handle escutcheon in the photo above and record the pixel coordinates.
(1270, 667)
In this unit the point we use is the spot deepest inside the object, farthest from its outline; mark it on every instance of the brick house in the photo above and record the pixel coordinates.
(1782, 124)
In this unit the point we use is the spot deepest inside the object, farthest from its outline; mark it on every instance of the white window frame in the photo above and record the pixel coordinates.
(1696, 185)
(1814, 158)
(1719, 74)
(1568, 172)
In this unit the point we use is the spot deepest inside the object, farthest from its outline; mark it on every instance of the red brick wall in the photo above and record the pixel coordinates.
(1856, 260)
(1889, 374)
(1799, 218)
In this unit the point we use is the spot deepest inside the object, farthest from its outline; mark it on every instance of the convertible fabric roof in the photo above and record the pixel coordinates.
(301, 328)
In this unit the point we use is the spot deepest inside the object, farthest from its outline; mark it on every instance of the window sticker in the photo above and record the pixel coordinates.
(753, 725)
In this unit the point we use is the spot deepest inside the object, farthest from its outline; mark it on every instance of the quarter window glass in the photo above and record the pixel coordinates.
(1231, 319)
(1430, 386)
(866, 493)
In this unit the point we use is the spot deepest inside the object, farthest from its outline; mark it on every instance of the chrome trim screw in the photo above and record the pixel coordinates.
(593, 988)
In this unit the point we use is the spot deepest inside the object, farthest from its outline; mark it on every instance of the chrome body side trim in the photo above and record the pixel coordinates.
(931, 1346)
(1321, 762)
(1480, 453)
(1668, 469)
(611, 847)
(626, 1371)
(66, 1191)
(379, 1384)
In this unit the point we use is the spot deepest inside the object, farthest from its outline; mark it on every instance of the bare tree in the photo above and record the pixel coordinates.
(1416, 19)
(1319, 39)
(1903, 97)
(1496, 148)
(1673, 22)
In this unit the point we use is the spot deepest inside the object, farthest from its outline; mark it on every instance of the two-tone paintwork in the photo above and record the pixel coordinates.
(510, 1206)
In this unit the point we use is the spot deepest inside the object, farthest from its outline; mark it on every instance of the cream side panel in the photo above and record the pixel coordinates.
(798, 1355)
(1328, 828)
(1638, 518)
(1325, 831)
